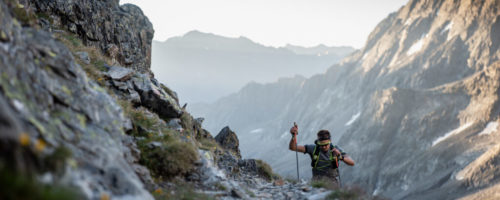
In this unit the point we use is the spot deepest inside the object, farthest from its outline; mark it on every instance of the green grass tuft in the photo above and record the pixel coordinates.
(266, 171)
(15, 185)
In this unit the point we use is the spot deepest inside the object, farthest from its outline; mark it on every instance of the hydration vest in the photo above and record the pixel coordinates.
(332, 158)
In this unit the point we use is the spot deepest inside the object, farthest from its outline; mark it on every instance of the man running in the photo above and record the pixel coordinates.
(325, 157)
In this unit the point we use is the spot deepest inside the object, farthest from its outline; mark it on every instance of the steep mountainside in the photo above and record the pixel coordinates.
(417, 107)
(203, 67)
(82, 116)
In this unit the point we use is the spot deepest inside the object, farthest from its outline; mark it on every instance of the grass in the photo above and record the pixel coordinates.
(208, 144)
(324, 183)
(14, 185)
(97, 59)
(265, 171)
(172, 159)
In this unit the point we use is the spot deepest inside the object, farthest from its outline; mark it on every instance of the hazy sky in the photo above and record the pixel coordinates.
(271, 22)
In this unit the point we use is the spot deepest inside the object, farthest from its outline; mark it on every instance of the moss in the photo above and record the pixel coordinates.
(15, 185)
(22, 13)
(82, 119)
(37, 124)
(66, 90)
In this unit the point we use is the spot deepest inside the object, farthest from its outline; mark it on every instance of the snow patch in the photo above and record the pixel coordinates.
(447, 27)
(353, 119)
(259, 130)
(417, 46)
(408, 21)
(453, 132)
(490, 128)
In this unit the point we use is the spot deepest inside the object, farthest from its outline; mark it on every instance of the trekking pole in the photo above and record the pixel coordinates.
(340, 182)
(296, 154)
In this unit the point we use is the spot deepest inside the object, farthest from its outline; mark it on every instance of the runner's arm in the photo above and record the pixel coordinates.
(348, 160)
(299, 148)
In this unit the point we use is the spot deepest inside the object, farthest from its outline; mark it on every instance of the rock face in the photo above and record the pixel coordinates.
(228, 139)
(123, 32)
(414, 107)
(51, 103)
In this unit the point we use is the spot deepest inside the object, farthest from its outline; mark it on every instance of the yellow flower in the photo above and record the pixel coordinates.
(104, 196)
(24, 139)
(158, 191)
(40, 145)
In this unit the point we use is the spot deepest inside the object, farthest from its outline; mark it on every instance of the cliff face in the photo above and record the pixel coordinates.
(414, 107)
(122, 32)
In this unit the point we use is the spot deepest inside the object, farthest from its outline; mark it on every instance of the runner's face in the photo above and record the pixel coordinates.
(324, 147)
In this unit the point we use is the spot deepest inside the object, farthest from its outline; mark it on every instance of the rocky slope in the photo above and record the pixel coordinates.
(82, 117)
(203, 67)
(417, 107)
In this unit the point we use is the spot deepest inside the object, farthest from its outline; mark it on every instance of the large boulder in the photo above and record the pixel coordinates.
(228, 140)
(123, 32)
(154, 97)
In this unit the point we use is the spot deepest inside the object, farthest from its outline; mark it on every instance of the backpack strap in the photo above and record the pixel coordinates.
(315, 157)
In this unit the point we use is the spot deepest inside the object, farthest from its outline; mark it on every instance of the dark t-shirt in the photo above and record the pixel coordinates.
(324, 167)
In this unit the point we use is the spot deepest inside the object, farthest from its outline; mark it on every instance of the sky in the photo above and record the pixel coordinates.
(271, 22)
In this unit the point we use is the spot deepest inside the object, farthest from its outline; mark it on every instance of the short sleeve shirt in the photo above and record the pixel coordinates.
(323, 165)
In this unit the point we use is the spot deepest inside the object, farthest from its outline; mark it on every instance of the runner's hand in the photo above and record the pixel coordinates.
(294, 130)
(336, 151)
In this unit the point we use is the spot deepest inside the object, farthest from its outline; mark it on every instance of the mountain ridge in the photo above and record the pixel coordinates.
(224, 64)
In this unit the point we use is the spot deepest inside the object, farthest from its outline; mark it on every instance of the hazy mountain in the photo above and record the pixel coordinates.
(417, 107)
(203, 67)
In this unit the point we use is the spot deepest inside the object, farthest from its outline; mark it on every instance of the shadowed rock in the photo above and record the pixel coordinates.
(228, 139)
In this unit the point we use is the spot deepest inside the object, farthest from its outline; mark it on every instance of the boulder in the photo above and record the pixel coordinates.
(228, 140)
(155, 98)
(119, 73)
(84, 56)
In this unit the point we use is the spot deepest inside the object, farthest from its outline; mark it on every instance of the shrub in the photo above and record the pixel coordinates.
(265, 171)
(171, 159)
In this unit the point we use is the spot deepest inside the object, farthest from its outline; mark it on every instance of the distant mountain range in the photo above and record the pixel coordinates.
(417, 107)
(203, 67)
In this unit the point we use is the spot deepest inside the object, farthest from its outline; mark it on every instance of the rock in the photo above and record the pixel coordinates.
(120, 73)
(228, 140)
(60, 107)
(248, 165)
(84, 56)
(122, 31)
(175, 124)
(236, 193)
(155, 98)
(199, 120)
(279, 182)
(306, 189)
